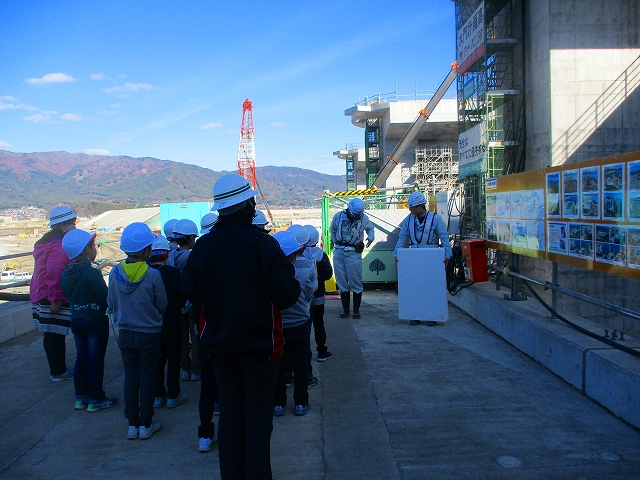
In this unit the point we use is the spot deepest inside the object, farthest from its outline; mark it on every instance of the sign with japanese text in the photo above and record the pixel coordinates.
(472, 149)
(471, 38)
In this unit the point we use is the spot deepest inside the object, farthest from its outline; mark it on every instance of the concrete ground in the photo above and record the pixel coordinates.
(453, 401)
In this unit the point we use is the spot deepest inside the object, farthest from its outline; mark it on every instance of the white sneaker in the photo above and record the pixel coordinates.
(205, 444)
(133, 432)
(146, 432)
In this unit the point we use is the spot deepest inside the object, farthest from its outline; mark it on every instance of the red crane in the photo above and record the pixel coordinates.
(247, 153)
(247, 148)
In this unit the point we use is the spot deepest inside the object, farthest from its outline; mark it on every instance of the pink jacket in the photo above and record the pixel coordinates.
(50, 260)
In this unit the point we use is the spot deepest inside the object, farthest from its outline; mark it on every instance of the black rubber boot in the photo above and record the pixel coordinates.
(357, 298)
(345, 298)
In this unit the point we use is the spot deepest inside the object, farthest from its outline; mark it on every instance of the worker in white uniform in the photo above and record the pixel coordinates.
(422, 229)
(347, 235)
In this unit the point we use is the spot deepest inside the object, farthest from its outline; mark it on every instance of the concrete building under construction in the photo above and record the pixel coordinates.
(539, 84)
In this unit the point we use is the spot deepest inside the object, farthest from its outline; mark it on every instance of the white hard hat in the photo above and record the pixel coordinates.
(300, 233)
(168, 227)
(288, 242)
(356, 207)
(208, 221)
(61, 214)
(136, 237)
(260, 219)
(75, 241)
(314, 235)
(184, 227)
(230, 190)
(161, 244)
(416, 198)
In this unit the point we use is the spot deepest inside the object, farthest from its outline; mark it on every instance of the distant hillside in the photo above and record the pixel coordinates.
(50, 178)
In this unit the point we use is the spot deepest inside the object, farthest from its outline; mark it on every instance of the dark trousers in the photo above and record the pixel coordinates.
(56, 349)
(140, 358)
(317, 317)
(208, 395)
(190, 356)
(91, 336)
(169, 357)
(296, 348)
(246, 419)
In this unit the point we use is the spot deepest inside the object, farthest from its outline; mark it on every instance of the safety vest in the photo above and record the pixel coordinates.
(355, 226)
(416, 235)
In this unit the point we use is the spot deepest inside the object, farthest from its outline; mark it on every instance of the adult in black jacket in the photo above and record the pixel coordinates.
(238, 279)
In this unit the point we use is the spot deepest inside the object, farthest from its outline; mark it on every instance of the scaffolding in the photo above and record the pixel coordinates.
(491, 92)
(436, 167)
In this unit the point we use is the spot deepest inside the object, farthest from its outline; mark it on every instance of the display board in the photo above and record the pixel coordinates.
(585, 214)
(422, 291)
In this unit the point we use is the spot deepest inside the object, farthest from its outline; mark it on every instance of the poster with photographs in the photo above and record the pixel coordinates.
(590, 192)
(492, 232)
(519, 233)
(492, 210)
(504, 231)
(611, 244)
(535, 235)
(581, 240)
(503, 204)
(633, 198)
(534, 204)
(553, 195)
(570, 196)
(518, 204)
(613, 191)
(557, 237)
(633, 247)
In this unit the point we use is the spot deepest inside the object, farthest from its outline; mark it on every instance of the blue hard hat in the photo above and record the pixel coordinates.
(75, 241)
(288, 242)
(136, 237)
(207, 222)
(168, 227)
(356, 207)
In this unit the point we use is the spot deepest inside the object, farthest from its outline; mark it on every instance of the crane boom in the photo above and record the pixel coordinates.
(264, 201)
(411, 134)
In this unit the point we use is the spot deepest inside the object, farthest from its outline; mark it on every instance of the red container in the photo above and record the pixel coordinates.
(474, 253)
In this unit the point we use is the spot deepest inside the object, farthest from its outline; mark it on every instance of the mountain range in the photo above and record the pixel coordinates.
(46, 179)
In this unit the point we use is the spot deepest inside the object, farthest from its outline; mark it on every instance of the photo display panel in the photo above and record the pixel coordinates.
(585, 214)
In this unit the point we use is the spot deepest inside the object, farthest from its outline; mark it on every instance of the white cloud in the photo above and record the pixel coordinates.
(131, 87)
(98, 76)
(42, 117)
(108, 112)
(96, 151)
(210, 125)
(278, 124)
(51, 78)
(4, 144)
(10, 103)
(72, 117)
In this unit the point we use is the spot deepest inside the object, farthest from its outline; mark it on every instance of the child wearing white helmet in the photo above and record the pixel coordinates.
(295, 330)
(171, 334)
(50, 307)
(137, 300)
(84, 286)
(325, 272)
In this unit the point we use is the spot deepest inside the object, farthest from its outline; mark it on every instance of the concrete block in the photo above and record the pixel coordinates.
(15, 319)
(612, 378)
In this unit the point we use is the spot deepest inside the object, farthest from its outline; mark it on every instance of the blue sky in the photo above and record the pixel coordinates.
(167, 79)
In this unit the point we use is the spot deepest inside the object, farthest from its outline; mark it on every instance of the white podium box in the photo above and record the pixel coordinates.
(422, 284)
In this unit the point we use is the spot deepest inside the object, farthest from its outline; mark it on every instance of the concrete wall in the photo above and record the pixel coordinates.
(15, 319)
(574, 52)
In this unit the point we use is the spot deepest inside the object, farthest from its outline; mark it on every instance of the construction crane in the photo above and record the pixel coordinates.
(411, 134)
(247, 153)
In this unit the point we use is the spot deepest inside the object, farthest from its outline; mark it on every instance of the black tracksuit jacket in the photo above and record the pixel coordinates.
(237, 274)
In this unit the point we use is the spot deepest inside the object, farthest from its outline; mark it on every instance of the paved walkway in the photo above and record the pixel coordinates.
(396, 402)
